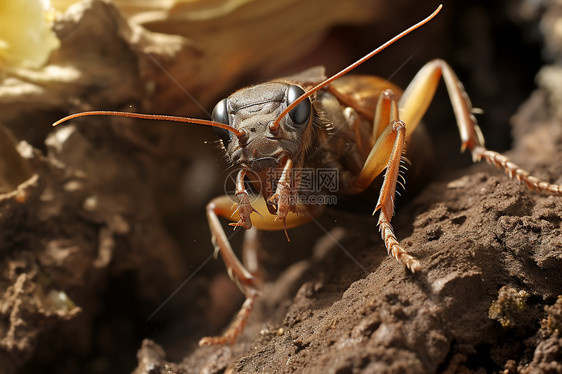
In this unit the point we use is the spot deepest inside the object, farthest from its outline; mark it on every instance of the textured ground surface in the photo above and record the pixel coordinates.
(102, 220)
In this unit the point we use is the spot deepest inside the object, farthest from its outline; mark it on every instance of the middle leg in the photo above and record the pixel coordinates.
(387, 151)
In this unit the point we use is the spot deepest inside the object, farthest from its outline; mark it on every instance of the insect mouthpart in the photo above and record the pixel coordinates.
(251, 158)
(263, 163)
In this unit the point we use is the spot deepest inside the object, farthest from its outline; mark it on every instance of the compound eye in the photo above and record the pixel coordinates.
(301, 113)
(220, 114)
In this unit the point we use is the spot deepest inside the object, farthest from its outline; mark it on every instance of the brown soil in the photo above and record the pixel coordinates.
(101, 221)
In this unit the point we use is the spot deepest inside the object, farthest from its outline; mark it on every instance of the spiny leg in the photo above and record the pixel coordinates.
(246, 281)
(385, 204)
(416, 99)
(251, 261)
(386, 153)
(378, 158)
(514, 171)
(282, 195)
(412, 106)
(244, 208)
(246, 276)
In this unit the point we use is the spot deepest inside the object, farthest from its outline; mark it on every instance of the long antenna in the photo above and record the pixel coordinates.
(159, 117)
(275, 125)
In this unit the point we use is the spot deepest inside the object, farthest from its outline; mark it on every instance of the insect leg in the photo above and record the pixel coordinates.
(386, 153)
(247, 275)
(416, 99)
(282, 195)
(250, 253)
(246, 281)
(266, 221)
(385, 113)
(244, 208)
(384, 137)
(385, 204)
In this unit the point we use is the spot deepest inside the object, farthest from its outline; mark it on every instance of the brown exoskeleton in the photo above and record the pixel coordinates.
(357, 125)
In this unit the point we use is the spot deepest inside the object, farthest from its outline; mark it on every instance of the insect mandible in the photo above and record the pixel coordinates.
(273, 130)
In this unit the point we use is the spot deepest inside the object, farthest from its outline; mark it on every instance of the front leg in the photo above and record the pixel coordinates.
(244, 208)
(246, 275)
(246, 281)
(283, 193)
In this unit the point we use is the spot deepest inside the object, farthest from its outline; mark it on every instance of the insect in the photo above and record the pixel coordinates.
(357, 125)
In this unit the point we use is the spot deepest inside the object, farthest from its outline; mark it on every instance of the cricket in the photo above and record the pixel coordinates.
(357, 125)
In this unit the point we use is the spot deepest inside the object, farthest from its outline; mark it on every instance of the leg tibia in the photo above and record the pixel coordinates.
(385, 203)
(237, 325)
(247, 281)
